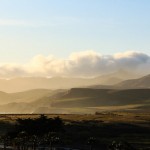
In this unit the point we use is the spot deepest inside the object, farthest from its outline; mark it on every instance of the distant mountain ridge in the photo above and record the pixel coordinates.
(128, 95)
(139, 83)
(28, 83)
(143, 82)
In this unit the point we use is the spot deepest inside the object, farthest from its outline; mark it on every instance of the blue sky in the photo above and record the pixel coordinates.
(61, 27)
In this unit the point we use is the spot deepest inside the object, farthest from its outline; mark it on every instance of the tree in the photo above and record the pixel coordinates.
(35, 131)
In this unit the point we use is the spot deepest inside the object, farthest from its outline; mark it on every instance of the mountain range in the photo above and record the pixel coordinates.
(128, 95)
(28, 83)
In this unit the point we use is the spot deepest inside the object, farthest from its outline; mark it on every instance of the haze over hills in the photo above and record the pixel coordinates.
(26, 96)
(83, 100)
(127, 95)
(139, 83)
(143, 82)
(28, 83)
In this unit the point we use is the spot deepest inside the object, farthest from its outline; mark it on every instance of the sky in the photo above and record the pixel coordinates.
(56, 31)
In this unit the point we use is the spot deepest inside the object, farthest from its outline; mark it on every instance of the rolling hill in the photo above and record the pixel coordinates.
(102, 97)
(25, 97)
(139, 83)
(83, 100)
(133, 94)
(143, 82)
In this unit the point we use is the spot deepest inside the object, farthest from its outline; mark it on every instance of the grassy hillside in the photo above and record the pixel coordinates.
(26, 96)
(143, 82)
(138, 83)
(102, 97)
(82, 100)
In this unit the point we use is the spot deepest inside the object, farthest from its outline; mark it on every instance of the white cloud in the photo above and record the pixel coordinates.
(81, 64)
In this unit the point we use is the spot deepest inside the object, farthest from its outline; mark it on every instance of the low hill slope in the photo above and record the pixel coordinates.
(143, 82)
(102, 97)
(26, 96)
(139, 83)
(83, 100)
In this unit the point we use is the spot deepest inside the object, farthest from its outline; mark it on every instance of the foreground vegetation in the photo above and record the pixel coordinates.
(118, 131)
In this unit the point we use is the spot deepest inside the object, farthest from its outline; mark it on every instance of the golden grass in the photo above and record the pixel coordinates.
(115, 117)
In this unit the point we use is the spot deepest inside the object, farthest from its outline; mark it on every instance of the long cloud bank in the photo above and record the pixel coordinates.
(80, 64)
